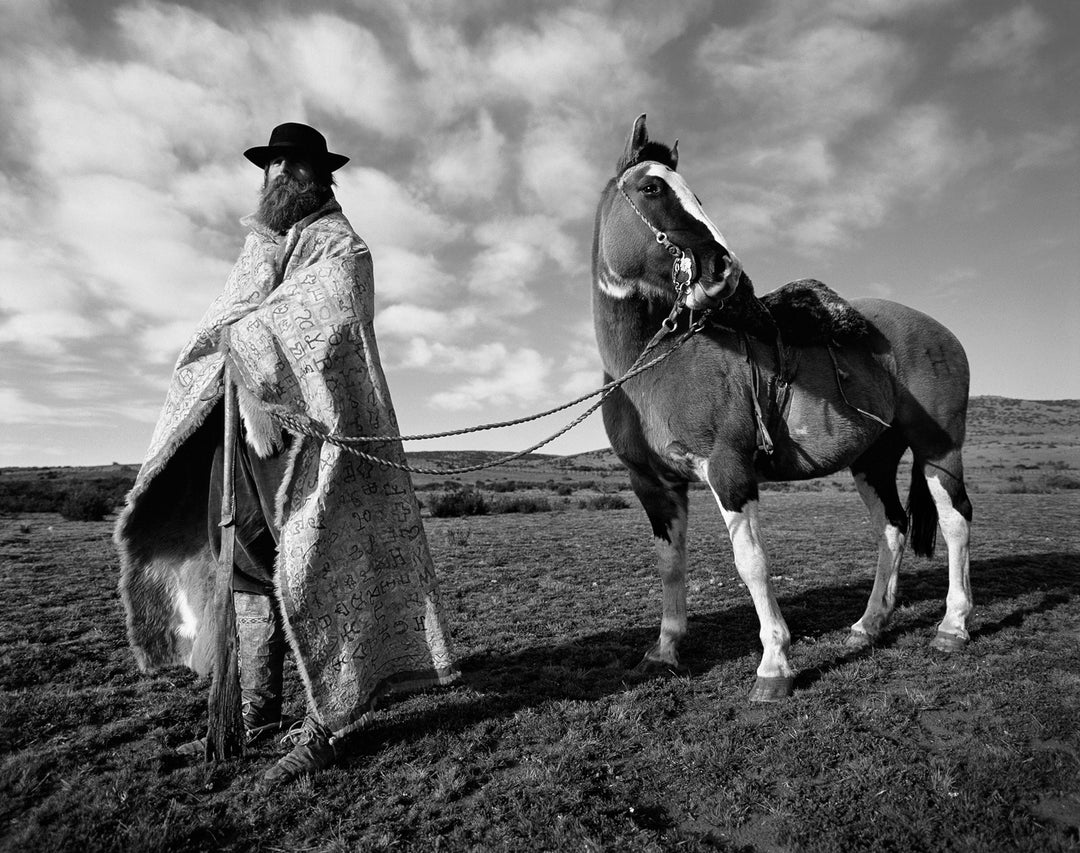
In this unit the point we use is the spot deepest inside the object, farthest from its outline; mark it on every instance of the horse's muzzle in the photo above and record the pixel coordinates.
(720, 274)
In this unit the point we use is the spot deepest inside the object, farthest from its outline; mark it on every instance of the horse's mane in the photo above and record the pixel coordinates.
(655, 151)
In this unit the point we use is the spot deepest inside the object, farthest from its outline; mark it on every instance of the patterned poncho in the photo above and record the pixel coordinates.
(354, 574)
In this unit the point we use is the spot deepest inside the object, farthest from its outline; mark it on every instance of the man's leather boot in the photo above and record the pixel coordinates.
(261, 656)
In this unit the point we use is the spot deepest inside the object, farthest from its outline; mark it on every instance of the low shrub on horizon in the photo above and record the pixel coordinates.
(522, 504)
(49, 492)
(604, 502)
(1058, 480)
(458, 503)
(86, 503)
(1046, 484)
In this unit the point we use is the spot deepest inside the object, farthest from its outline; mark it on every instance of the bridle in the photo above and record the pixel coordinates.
(685, 269)
(684, 266)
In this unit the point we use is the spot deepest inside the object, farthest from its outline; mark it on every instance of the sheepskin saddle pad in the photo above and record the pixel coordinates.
(807, 312)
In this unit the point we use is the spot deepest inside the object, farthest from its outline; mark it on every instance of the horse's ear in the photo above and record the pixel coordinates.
(675, 156)
(637, 140)
(639, 135)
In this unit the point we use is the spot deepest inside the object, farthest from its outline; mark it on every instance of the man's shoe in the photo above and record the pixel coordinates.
(313, 751)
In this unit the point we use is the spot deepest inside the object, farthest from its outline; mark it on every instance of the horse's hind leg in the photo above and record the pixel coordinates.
(945, 479)
(666, 506)
(875, 478)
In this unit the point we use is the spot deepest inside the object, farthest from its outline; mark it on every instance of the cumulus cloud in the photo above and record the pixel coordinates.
(832, 146)
(444, 358)
(134, 248)
(47, 333)
(521, 377)
(912, 157)
(481, 136)
(872, 11)
(468, 163)
(922, 148)
(1047, 148)
(43, 311)
(566, 51)
(581, 366)
(805, 161)
(513, 268)
(187, 43)
(218, 193)
(405, 322)
(344, 70)
(1006, 42)
(555, 59)
(116, 237)
(408, 238)
(161, 343)
(797, 89)
(504, 274)
(821, 78)
(15, 408)
(405, 276)
(555, 176)
(387, 213)
(276, 64)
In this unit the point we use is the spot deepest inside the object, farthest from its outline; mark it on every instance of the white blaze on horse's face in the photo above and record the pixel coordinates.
(682, 192)
(660, 197)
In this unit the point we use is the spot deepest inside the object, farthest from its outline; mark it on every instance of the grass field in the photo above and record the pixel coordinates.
(545, 743)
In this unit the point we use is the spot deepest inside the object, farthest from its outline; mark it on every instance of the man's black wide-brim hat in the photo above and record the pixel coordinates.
(297, 140)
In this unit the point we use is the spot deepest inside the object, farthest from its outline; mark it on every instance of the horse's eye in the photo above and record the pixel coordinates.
(651, 190)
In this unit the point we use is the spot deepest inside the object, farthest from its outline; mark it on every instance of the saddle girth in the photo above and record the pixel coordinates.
(770, 396)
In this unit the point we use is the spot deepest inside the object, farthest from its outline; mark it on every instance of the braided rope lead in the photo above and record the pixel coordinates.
(305, 426)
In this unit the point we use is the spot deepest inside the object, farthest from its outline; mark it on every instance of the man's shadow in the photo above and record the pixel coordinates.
(507, 683)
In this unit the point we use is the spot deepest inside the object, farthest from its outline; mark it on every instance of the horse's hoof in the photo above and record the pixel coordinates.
(654, 667)
(773, 689)
(948, 643)
(858, 641)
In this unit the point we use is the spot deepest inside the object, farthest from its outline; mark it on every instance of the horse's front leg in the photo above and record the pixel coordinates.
(666, 506)
(739, 506)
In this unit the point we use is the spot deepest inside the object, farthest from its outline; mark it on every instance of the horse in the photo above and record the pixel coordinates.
(751, 391)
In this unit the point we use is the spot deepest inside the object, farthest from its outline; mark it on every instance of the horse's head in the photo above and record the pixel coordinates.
(652, 235)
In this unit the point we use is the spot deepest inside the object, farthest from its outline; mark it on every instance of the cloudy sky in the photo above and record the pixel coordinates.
(922, 150)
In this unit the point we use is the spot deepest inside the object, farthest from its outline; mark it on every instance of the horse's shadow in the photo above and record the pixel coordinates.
(504, 684)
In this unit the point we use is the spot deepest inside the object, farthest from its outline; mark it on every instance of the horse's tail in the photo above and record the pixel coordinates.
(922, 513)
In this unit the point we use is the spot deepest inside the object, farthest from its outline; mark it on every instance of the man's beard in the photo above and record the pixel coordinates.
(285, 201)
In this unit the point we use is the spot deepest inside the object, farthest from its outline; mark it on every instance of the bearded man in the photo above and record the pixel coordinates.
(330, 558)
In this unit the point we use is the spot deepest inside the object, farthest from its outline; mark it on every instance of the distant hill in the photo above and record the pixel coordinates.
(594, 460)
(1005, 436)
(995, 417)
(993, 422)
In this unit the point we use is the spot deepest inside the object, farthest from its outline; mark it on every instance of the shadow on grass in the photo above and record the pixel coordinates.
(591, 667)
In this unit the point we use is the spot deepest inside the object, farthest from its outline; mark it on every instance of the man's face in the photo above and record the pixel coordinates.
(299, 168)
(291, 190)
